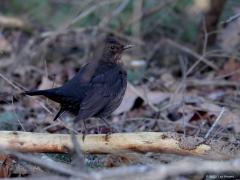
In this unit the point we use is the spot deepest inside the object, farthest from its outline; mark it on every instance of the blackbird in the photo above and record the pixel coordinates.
(96, 90)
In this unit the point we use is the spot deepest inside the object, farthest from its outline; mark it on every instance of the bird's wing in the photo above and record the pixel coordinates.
(103, 88)
(74, 90)
(76, 87)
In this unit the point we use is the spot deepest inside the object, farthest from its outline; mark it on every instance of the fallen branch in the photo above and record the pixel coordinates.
(183, 167)
(119, 143)
(56, 167)
(186, 166)
(11, 22)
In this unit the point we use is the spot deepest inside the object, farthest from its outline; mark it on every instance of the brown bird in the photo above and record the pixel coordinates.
(96, 90)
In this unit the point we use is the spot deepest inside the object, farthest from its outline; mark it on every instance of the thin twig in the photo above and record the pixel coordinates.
(88, 12)
(147, 13)
(232, 18)
(15, 113)
(194, 54)
(78, 152)
(220, 83)
(205, 37)
(117, 11)
(182, 87)
(9, 82)
(215, 123)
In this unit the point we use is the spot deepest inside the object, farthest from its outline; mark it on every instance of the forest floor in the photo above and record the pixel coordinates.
(172, 87)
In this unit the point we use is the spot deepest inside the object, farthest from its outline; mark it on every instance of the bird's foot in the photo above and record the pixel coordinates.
(108, 134)
(112, 130)
(83, 136)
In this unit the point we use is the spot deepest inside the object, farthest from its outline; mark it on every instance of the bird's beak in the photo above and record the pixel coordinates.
(128, 46)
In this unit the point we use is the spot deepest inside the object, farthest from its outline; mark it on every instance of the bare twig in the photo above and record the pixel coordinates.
(137, 12)
(88, 11)
(78, 152)
(205, 42)
(9, 82)
(53, 166)
(208, 166)
(182, 88)
(215, 123)
(214, 82)
(194, 54)
(232, 18)
(184, 49)
(117, 11)
(208, 26)
(182, 167)
(186, 166)
(147, 13)
(15, 113)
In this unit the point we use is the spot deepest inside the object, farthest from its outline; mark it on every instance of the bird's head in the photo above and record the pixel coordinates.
(113, 49)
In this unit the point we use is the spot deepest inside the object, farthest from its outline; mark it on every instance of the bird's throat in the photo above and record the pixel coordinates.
(117, 58)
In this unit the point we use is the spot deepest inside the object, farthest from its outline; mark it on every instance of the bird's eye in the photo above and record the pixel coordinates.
(112, 47)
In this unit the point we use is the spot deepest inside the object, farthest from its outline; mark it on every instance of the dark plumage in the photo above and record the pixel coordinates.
(96, 90)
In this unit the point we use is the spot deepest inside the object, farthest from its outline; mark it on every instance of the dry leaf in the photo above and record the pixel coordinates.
(132, 93)
(231, 68)
(5, 165)
(228, 117)
(232, 119)
(128, 101)
(5, 46)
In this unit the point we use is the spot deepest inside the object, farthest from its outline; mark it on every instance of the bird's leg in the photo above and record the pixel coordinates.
(85, 130)
(109, 126)
(98, 126)
(79, 119)
(59, 114)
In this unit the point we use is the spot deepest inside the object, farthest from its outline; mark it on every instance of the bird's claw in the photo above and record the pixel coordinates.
(108, 134)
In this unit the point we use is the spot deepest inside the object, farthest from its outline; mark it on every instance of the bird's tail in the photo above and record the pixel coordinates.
(47, 92)
(34, 92)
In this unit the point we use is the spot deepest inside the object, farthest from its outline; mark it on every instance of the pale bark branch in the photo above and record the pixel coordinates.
(141, 142)
(11, 22)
